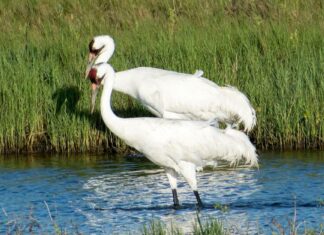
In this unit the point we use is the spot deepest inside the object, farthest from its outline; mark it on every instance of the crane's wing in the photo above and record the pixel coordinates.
(196, 142)
(192, 97)
(152, 99)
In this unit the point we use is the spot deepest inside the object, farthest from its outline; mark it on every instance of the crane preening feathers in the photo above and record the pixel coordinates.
(173, 95)
(179, 146)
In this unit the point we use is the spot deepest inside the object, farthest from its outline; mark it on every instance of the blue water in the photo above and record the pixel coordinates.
(118, 195)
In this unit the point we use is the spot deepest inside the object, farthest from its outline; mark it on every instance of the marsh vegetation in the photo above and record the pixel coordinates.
(273, 51)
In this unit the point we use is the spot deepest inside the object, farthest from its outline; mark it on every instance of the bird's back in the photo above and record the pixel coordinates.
(166, 142)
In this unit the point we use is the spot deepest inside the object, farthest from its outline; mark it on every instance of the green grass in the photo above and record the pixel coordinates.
(210, 227)
(22, 224)
(273, 51)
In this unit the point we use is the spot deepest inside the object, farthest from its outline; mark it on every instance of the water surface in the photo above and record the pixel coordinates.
(115, 194)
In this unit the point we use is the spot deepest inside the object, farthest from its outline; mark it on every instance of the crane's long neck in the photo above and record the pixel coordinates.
(114, 123)
(104, 56)
(125, 83)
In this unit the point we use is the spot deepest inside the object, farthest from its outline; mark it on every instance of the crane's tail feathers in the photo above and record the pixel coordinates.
(249, 159)
(248, 125)
(241, 108)
(244, 151)
(252, 160)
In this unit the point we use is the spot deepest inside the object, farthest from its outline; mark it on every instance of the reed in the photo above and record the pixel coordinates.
(273, 51)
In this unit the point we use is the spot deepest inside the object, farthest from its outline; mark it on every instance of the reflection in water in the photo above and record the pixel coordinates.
(105, 195)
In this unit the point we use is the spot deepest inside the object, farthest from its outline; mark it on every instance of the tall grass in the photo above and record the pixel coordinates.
(273, 51)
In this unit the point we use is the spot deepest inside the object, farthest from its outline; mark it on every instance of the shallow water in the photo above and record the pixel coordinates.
(111, 194)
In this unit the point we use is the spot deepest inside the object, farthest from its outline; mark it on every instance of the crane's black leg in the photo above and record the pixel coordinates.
(200, 204)
(175, 199)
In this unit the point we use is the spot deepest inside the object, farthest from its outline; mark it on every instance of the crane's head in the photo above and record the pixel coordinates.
(101, 48)
(95, 80)
(97, 75)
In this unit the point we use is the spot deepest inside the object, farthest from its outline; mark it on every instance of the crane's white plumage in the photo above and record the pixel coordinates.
(179, 146)
(176, 95)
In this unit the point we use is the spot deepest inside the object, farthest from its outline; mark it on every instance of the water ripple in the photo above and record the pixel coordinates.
(103, 196)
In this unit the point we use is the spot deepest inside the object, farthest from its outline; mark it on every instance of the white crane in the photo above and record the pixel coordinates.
(179, 146)
(174, 95)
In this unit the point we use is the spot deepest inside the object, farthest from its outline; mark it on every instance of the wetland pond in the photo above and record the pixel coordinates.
(107, 194)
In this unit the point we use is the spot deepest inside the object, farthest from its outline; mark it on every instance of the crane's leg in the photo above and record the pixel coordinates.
(200, 204)
(188, 170)
(172, 176)
(175, 198)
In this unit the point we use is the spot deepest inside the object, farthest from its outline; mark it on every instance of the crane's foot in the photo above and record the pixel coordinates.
(199, 202)
(176, 204)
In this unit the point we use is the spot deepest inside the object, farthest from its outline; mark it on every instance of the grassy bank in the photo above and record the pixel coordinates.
(273, 51)
(210, 226)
